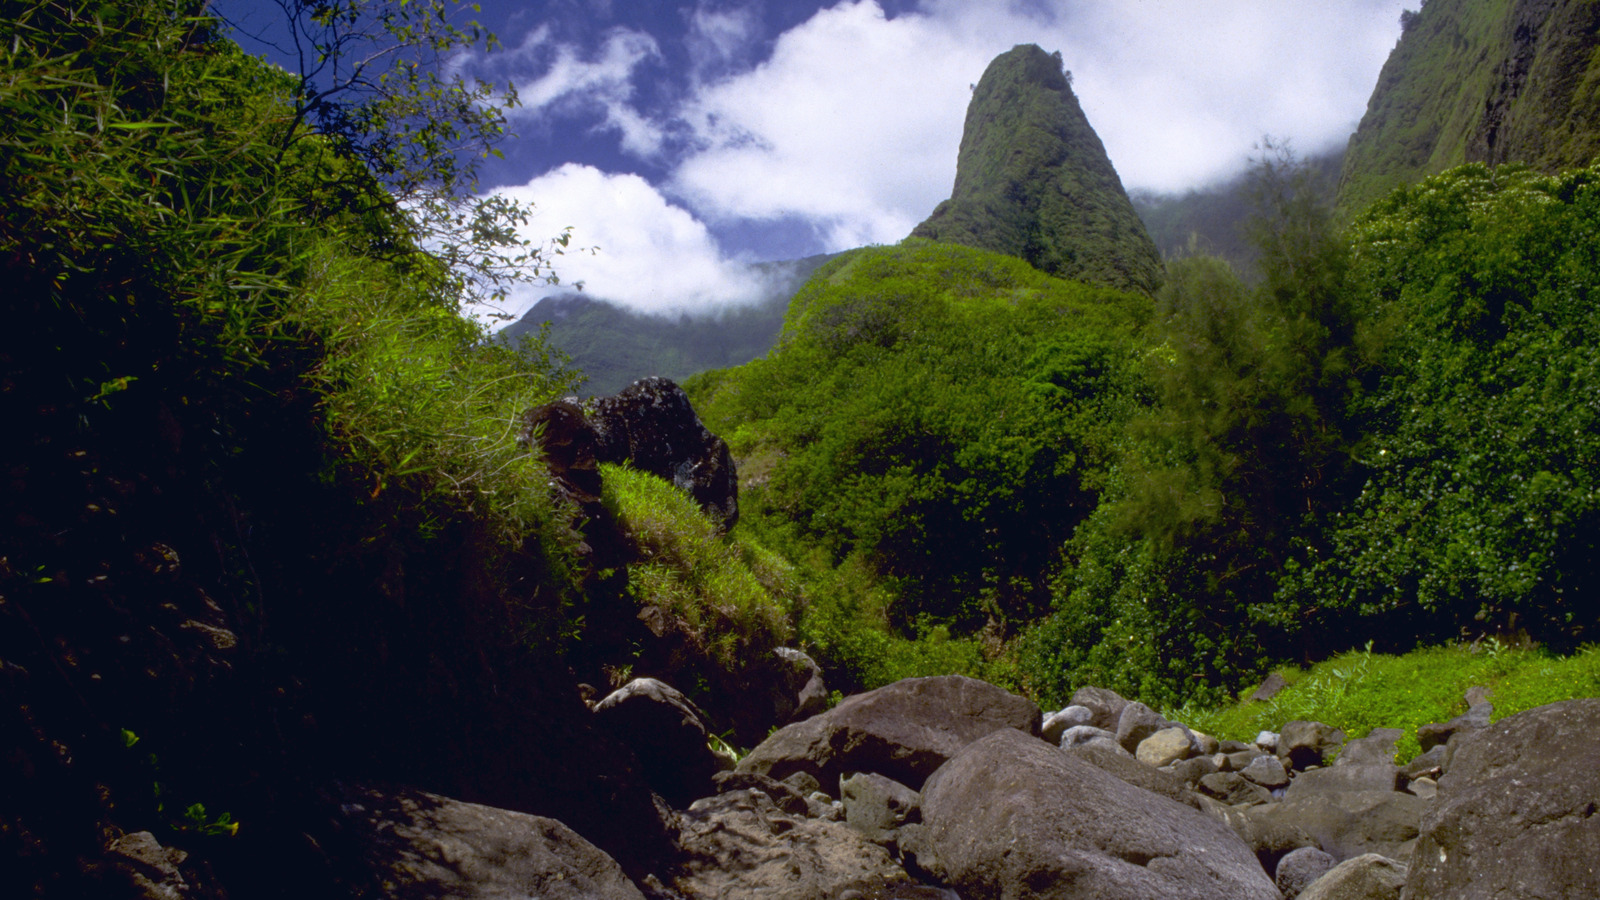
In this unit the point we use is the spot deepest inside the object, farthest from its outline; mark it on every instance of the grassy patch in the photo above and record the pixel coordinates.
(1360, 690)
(740, 596)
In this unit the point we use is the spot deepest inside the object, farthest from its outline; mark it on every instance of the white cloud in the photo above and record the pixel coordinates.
(719, 38)
(652, 256)
(602, 80)
(855, 120)
(847, 124)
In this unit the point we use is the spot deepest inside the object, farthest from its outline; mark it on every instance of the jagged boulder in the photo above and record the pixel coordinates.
(903, 731)
(1116, 761)
(1302, 745)
(651, 425)
(412, 844)
(741, 845)
(1518, 812)
(666, 732)
(1365, 877)
(1013, 817)
(1299, 869)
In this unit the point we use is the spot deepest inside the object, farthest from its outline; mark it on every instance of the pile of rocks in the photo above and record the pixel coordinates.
(953, 788)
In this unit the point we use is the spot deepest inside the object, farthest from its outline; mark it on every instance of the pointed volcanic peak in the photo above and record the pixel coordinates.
(1489, 81)
(1033, 181)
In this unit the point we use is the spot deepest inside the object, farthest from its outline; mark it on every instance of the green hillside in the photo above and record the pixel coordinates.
(931, 426)
(1033, 181)
(1488, 81)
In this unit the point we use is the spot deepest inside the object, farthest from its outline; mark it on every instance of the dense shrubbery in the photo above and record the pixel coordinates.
(933, 423)
(1387, 435)
(1481, 439)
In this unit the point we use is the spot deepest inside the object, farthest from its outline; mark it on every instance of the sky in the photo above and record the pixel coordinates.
(681, 141)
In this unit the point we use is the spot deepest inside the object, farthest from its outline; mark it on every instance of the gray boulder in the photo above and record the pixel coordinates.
(1190, 771)
(1234, 789)
(1106, 704)
(1058, 722)
(1136, 723)
(1116, 761)
(1165, 747)
(1013, 817)
(1299, 868)
(666, 732)
(1516, 811)
(903, 731)
(1338, 779)
(1240, 760)
(1474, 719)
(1088, 735)
(1427, 764)
(1269, 688)
(1376, 749)
(785, 796)
(877, 807)
(803, 692)
(1266, 771)
(414, 844)
(1365, 877)
(740, 845)
(1302, 745)
(1345, 823)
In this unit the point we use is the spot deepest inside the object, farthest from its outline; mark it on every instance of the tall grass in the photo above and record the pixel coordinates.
(740, 598)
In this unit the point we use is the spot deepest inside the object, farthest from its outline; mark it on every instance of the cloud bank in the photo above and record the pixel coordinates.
(851, 124)
(630, 245)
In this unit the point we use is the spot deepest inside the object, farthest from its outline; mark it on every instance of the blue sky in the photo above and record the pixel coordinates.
(686, 139)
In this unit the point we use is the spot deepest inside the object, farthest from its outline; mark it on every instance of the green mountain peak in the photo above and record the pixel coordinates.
(1034, 181)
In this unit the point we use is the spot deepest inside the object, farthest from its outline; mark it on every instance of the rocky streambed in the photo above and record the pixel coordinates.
(949, 787)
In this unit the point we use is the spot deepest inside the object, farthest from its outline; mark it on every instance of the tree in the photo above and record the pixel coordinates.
(373, 81)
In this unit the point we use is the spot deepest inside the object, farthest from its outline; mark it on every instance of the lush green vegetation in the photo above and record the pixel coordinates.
(739, 600)
(1360, 690)
(933, 423)
(1386, 436)
(1033, 181)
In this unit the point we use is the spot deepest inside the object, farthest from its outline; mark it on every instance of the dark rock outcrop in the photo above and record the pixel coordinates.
(651, 425)
(667, 734)
(1033, 181)
(903, 731)
(413, 845)
(1011, 816)
(1518, 812)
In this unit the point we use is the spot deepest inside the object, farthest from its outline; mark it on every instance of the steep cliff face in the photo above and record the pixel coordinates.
(1033, 181)
(1489, 81)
